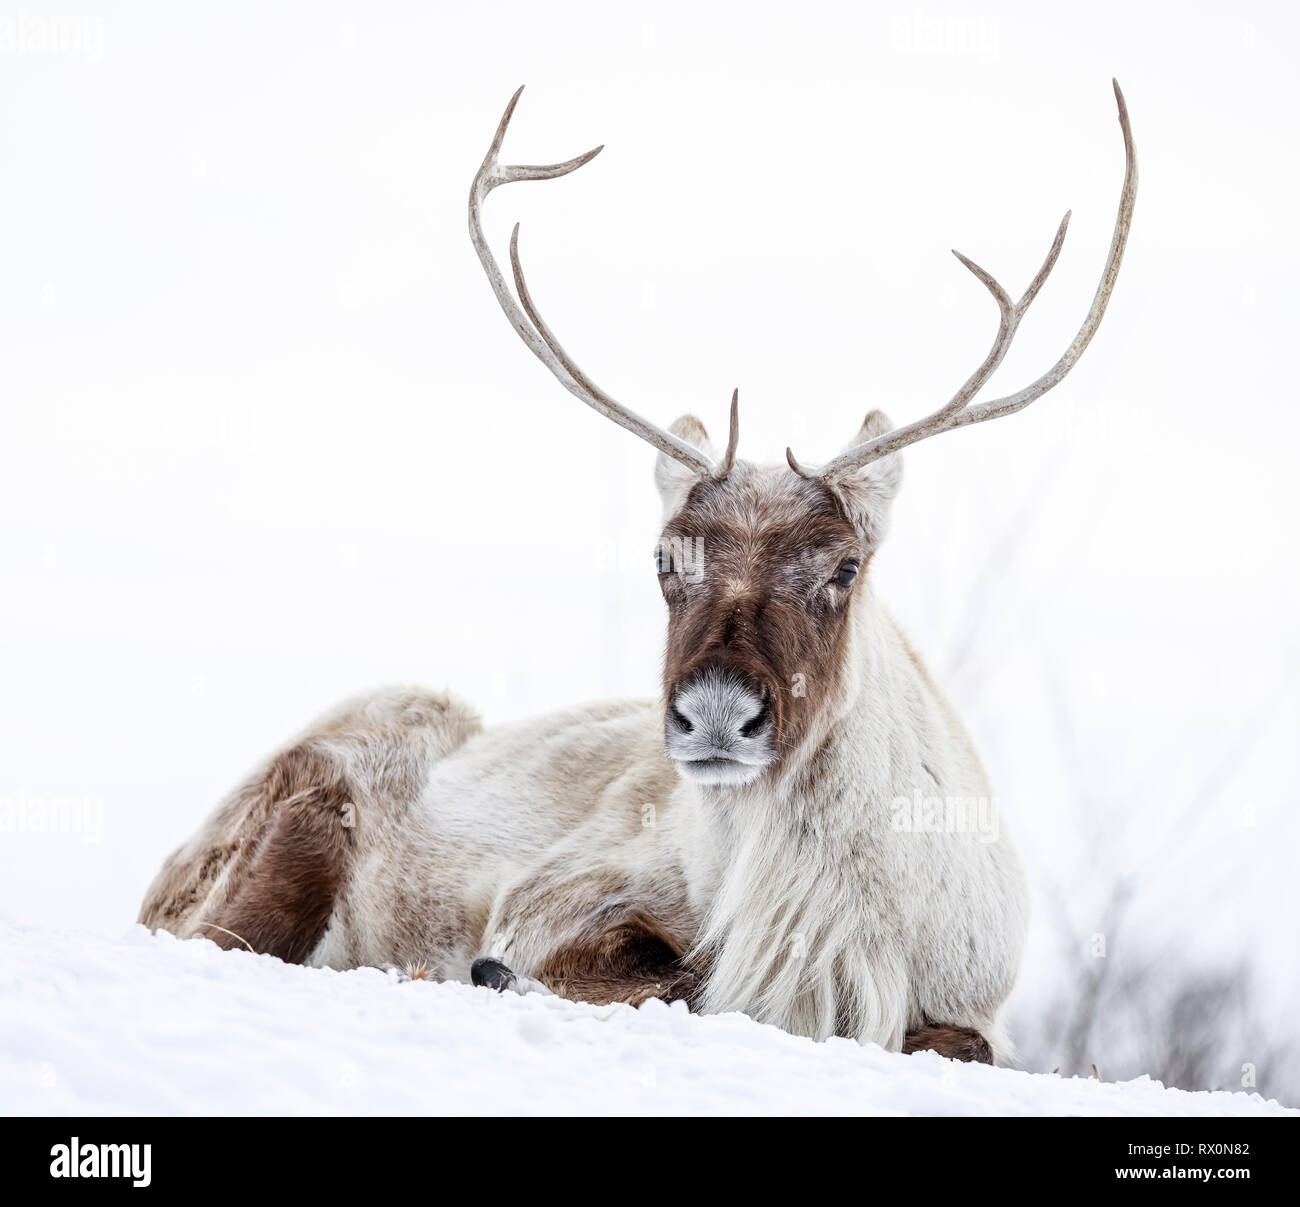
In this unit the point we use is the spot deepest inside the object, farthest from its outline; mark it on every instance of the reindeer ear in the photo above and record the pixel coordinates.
(870, 491)
(672, 477)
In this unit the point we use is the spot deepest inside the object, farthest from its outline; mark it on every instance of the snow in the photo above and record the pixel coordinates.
(150, 1024)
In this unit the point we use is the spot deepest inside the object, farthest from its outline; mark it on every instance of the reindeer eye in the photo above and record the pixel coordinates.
(845, 575)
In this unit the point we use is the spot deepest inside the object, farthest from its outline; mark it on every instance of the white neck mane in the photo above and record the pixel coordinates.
(789, 936)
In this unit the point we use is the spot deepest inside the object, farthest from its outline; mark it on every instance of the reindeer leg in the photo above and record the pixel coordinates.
(620, 955)
(956, 1043)
(668, 985)
(270, 872)
(492, 974)
(595, 989)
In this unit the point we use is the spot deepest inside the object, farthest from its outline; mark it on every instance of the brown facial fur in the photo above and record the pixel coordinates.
(768, 546)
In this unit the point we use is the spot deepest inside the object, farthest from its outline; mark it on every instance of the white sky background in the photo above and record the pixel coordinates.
(266, 439)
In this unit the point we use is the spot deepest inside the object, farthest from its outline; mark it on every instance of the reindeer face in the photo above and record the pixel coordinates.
(759, 570)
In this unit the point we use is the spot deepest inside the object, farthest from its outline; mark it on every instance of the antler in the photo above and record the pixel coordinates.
(541, 339)
(958, 412)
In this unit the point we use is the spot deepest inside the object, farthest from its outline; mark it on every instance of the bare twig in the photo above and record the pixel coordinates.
(231, 933)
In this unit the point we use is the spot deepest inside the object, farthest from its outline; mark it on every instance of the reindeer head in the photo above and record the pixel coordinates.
(761, 567)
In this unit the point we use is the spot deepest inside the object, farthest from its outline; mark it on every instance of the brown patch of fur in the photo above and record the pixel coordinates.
(956, 1043)
(631, 959)
(280, 889)
(277, 859)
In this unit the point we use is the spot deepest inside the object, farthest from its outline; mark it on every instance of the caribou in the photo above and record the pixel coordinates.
(736, 843)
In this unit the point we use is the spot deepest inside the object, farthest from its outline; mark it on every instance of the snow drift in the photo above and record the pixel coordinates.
(147, 1024)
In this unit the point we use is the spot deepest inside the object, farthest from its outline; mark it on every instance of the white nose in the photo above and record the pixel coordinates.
(718, 729)
(719, 711)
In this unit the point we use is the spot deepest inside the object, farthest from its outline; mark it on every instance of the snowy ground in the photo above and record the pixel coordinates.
(148, 1024)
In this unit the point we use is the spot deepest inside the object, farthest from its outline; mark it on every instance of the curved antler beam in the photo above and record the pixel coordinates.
(533, 330)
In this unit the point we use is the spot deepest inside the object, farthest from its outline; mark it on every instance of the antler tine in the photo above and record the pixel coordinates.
(733, 438)
(528, 322)
(1010, 313)
(958, 411)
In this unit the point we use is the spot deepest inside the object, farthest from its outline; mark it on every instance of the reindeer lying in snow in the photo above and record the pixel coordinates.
(734, 844)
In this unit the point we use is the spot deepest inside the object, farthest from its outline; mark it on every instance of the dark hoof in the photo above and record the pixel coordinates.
(491, 973)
